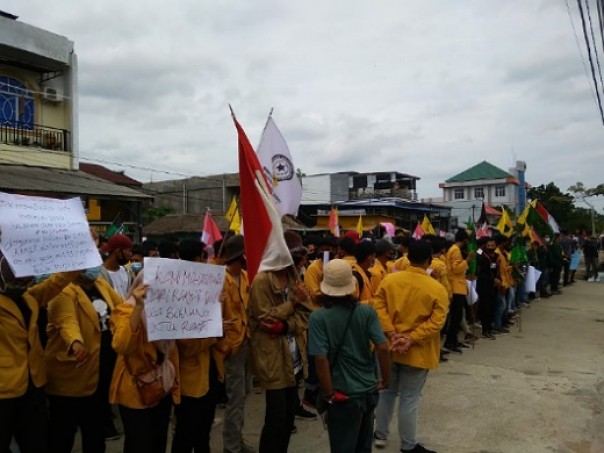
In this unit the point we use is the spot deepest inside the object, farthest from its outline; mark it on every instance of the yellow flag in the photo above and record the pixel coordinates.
(427, 226)
(522, 217)
(505, 225)
(360, 226)
(233, 218)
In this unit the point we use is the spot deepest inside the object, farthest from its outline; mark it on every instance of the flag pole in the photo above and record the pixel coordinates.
(227, 233)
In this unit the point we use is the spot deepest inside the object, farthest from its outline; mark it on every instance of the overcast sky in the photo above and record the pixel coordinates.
(424, 87)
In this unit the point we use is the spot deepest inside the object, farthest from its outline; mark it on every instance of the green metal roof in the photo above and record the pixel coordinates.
(483, 170)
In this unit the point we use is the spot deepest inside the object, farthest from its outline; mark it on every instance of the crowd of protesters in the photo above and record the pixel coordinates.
(357, 322)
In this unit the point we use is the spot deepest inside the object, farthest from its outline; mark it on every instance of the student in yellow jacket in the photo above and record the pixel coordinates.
(314, 273)
(384, 253)
(237, 333)
(80, 361)
(198, 379)
(145, 427)
(364, 254)
(457, 267)
(23, 412)
(411, 307)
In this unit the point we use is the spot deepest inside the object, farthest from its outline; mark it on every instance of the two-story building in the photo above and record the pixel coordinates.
(39, 121)
(375, 196)
(485, 183)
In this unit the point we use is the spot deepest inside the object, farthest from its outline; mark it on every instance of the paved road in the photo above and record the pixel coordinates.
(540, 389)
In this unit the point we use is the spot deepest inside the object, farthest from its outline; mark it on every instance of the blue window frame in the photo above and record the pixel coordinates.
(16, 104)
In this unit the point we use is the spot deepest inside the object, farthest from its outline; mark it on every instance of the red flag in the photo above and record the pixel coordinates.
(265, 247)
(211, 232)
(334, 225)
(418, 233)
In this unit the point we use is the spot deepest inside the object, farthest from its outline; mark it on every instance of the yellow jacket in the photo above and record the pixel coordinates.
(366, 294)
(312, 279)
(140, 355)
(505, 269)
(401, 264)
(235, 312)
(413, 303)
(194, 364)
(457, 268)
(378, 272)
(21, 354)
(71, 317)
(443, 275)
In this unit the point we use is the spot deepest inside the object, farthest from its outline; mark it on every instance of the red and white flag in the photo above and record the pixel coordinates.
(483, 231)
(265, 247)
(547, 217)
(334, 225)
(418, 233)
(211, 232)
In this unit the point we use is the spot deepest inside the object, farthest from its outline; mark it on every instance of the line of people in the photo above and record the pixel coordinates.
(357, 321)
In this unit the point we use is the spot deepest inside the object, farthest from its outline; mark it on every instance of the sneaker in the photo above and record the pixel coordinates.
(464, 345)
(111, 433)
(471, 337)
(303, 414)
(379, 443)
(310, 398)
(488, 336)
(442, 358)
(419, 448)
(502, 331)
(294, 429)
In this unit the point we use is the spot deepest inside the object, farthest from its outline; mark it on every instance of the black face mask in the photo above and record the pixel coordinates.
(121, 260)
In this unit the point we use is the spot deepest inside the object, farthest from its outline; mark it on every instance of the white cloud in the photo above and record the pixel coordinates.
(428, 88)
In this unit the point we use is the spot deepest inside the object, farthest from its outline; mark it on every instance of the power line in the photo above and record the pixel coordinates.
(591, 63)
(593, 39)
(572, 23)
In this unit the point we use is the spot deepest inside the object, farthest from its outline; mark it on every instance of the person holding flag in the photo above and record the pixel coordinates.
(279, 303)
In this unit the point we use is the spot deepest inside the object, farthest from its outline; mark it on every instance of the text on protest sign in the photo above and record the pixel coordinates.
(183, 299)
(45, 235)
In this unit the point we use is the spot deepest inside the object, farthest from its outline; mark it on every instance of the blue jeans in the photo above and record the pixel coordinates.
(350, 424)
(407, 383)
(500, 308)
(510, 298)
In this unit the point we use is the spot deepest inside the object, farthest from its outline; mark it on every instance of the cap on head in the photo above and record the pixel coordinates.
(337, 279)
(116, 242)
(382, 246)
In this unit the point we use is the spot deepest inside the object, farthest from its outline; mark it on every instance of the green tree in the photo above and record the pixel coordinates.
(155, 212)
(559, 204)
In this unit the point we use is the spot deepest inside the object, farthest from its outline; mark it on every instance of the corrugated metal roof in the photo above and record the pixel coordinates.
(26, 179)
(483, 170)
(109, 175)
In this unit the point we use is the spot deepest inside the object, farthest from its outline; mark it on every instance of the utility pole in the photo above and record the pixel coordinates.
(592, 211)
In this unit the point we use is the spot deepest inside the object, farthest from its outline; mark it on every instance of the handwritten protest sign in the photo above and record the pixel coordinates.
(45, 235)
(183, 299)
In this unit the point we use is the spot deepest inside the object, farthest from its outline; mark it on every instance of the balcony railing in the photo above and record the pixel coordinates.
(369, 193)
(35, 136)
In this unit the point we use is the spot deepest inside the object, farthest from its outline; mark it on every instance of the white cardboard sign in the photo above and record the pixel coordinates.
(183, 299)
(45, 235)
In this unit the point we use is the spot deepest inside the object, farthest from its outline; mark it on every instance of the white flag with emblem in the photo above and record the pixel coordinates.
(276, 160)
